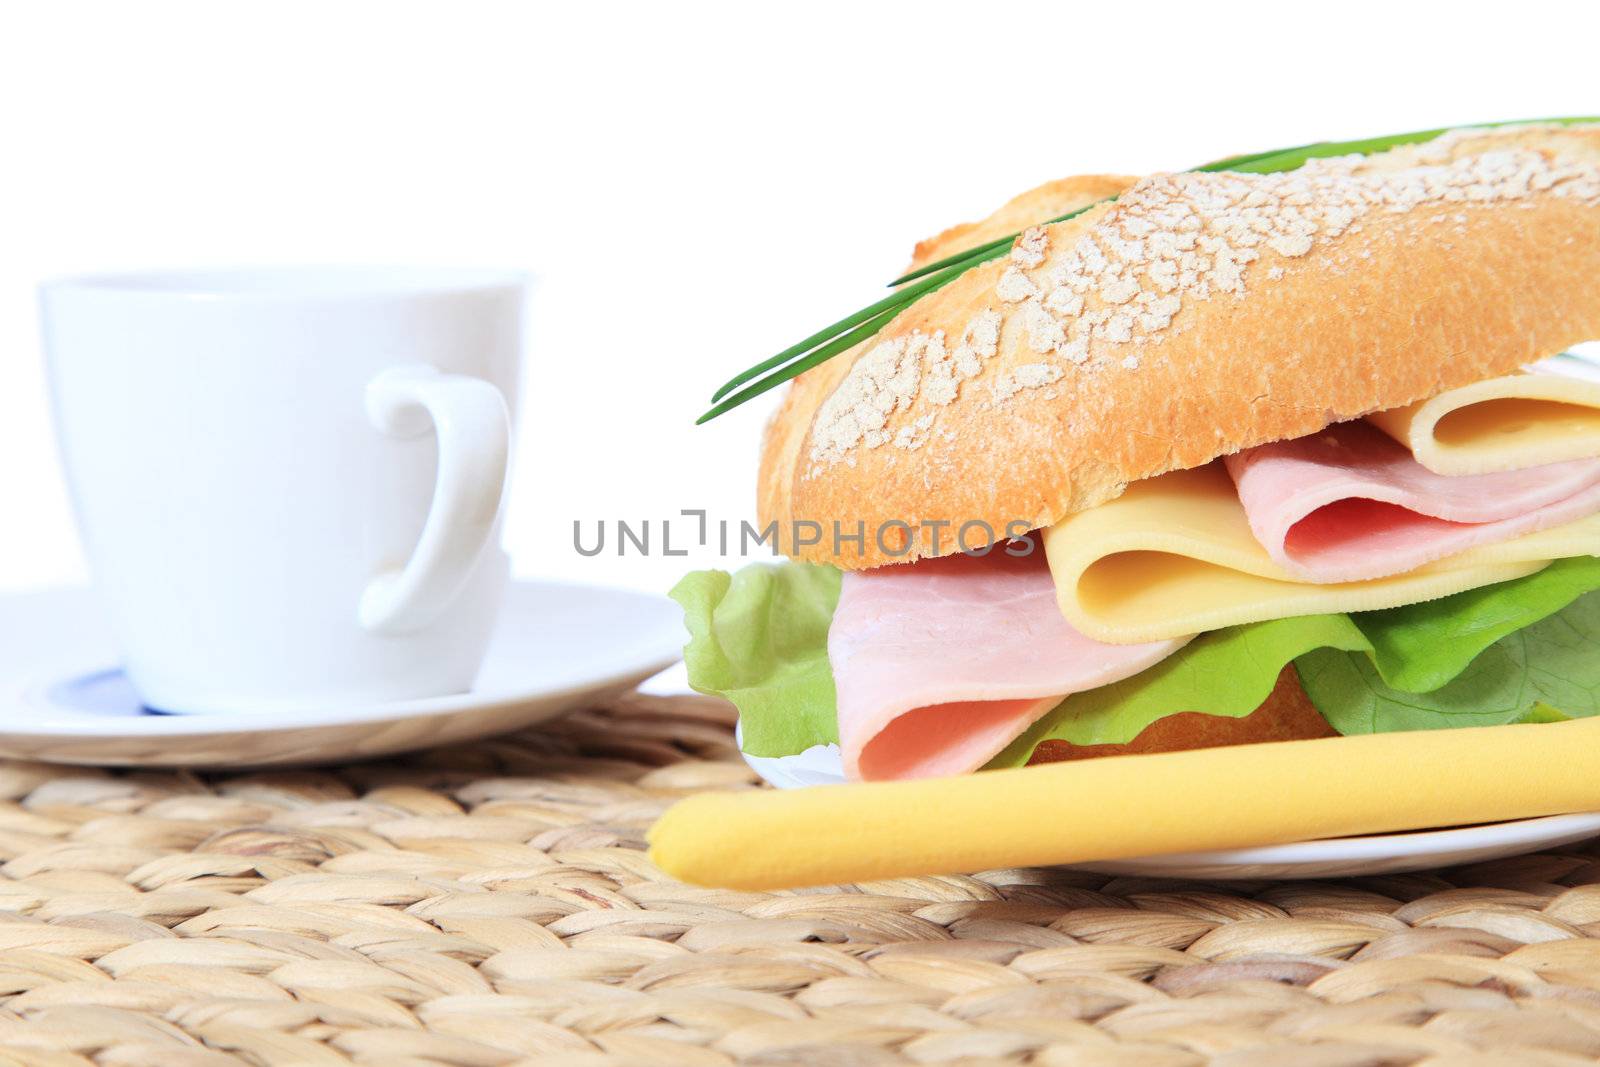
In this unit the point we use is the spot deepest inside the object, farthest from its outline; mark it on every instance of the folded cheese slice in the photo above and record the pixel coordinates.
(1350, 503)
(1175, 555)
(939, 664)
(1524, 420)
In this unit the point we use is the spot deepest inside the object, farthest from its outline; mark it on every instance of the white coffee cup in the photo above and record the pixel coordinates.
(289, 481)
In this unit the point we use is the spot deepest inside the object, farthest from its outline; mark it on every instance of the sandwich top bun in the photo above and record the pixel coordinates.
(1197, 315)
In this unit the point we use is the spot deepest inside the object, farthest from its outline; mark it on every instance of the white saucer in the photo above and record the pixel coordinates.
(1330, 858)
(557, 647)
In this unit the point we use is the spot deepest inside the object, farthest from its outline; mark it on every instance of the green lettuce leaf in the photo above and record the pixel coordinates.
(1225, 672)
(1549, 666)
(760, 639)
(1518, 651)
(1420, 647)
(1365, 672)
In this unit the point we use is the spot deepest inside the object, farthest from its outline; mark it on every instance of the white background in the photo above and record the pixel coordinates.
(694, 186)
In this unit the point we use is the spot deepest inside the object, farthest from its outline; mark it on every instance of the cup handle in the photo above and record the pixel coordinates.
(471, 421)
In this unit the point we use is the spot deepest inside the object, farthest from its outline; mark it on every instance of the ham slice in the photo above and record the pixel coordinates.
(1350, 503)
(942, 663)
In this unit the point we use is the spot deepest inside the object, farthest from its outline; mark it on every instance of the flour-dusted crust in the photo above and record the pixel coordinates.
(1198, 315)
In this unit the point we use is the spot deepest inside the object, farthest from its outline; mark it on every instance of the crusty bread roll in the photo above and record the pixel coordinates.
(1197, 315)
(1286, 715)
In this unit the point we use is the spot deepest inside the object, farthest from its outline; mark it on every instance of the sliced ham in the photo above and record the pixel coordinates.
(1350, 503)
(942, 663)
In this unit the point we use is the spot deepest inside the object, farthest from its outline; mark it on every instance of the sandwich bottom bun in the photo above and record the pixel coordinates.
(1286, 715)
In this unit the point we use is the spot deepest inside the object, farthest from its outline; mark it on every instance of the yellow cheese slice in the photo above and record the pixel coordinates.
(1500, 425)
(1174, 555)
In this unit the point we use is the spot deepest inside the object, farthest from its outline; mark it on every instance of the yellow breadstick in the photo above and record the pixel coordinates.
(1122, 806)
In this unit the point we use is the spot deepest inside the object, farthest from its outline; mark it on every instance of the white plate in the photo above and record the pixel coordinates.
(1331, 858)
(556, 647)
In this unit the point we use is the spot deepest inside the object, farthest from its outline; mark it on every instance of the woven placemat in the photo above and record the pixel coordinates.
(491, 904)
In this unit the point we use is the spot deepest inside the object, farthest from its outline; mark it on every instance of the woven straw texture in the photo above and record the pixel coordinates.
(492, 904)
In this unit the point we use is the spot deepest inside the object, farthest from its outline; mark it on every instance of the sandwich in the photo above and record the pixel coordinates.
(1218, 458)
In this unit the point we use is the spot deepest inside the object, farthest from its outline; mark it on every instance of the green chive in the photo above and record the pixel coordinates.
(821, 355)
(1291, 158)
(998, 245)
(852, 330)
(1234, 162)
(895, 301)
